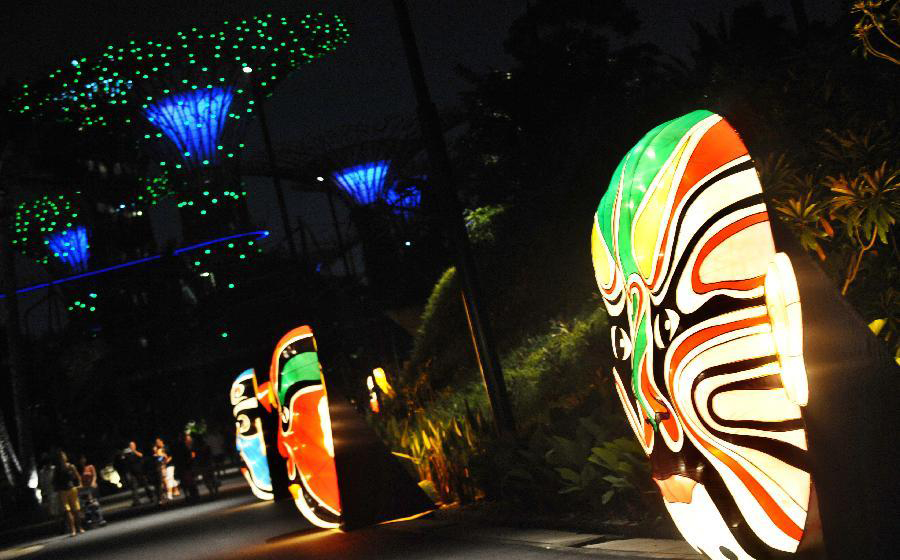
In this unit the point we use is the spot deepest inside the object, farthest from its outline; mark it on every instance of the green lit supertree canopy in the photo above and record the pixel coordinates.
(149, 191)
(48, 227)
(187, 94)
(154, 189)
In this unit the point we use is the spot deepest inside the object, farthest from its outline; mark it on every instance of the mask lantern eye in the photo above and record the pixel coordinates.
(621, 343)
(243, 423)
(665, 332)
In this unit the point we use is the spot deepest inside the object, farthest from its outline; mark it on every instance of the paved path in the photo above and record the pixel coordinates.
(238, 526)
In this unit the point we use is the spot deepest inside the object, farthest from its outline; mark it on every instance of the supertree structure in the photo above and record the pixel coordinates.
(48, 228)
(368, 165)
(367, 183)
(375, 172)
(188, 94)
(151, 191)
(71, 246)
(185, 99)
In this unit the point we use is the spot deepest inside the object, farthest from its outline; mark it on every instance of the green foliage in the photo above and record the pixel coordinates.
(845, 208)
(559, 366)
(867, 203)
(439, 443)
(195, 427)
(481, 223)
(575, 453)
(442, 346)
(604, 472)
(804, 216)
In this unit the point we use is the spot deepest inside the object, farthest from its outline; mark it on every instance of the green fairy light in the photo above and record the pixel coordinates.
(116, 85)
(35, 220)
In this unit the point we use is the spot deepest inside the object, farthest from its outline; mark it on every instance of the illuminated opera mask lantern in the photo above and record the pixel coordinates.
(705, 330)
(304, 437)
(248, 401)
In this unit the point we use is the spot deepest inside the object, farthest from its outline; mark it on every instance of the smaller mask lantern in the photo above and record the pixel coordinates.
(304, 437)
(706, 335)
(246, 400)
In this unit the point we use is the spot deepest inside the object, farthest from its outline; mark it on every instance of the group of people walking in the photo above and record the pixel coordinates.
(162, 473)
(72, 491)
(165, 472)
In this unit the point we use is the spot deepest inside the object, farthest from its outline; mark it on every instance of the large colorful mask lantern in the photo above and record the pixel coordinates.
(304, 437)
(248, 402)
(705, 330)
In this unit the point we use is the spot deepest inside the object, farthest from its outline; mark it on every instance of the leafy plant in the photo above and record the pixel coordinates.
(806, 218)
(439, 445)
(867, 205)
(877, 28)
(603, 471)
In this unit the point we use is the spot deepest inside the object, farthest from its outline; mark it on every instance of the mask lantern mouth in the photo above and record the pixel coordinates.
(786, 319)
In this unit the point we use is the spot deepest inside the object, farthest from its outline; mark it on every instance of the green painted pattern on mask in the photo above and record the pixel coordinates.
(636, 172)
(302, 367)
(640, 345)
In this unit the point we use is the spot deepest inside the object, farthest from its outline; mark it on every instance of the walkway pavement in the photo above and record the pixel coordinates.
(238, 526)
(584, 543)
(116, 507)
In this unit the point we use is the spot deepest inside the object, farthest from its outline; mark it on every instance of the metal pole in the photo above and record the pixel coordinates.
(337, 231)
(485, 350)
(302, 228)
(276, 179)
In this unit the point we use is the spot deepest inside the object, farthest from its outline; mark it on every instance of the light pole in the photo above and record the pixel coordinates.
(482, 336)
(270, 153)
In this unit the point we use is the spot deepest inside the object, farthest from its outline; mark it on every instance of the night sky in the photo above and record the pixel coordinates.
(364, 82)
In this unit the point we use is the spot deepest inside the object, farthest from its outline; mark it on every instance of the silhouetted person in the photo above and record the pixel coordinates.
(154, 476)
(133, 464)
(166, 469)
(66, 481)
(88, 494)
(184, 457)
(216, 442)
(204, 466)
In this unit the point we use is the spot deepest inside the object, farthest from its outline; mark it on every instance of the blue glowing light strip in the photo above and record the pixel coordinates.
(365, 183)
(193, 121)
(260, 234)
(71, 247)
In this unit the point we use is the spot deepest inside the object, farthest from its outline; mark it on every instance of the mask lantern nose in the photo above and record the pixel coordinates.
(783, 305)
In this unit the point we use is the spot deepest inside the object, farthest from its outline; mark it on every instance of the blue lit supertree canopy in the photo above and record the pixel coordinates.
(38, 221)
(366, 164)
(187, 94)
(365, 182)
(193, 121)
(71, 247)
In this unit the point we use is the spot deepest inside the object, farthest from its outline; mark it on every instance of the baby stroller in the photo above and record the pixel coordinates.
(90, 508)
